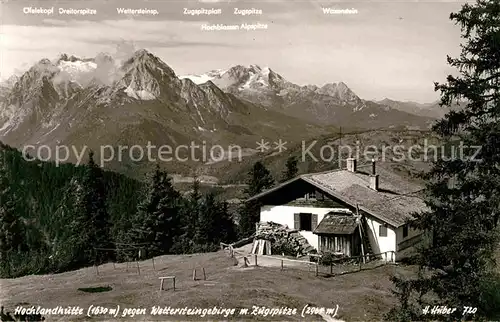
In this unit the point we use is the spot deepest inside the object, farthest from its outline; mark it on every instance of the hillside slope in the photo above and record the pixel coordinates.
(363, 296)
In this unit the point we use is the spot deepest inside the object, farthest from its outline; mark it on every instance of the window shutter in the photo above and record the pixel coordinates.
(382, 231)
(314, 221)
(296, 221)
(405, 231)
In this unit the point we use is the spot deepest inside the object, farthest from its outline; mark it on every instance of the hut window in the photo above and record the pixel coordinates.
(382, 231)
(405, 231)
(303, 221)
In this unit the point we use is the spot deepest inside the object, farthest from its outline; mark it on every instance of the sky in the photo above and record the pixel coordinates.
(389, 49)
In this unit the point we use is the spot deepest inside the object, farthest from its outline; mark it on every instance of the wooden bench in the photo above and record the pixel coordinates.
(164, 278)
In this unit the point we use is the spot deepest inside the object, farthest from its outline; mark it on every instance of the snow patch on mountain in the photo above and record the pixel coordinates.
(248, 77)
(12, 118)
(203, 78)
(55, 128)
(139, 94)
(199, 114)
(77, 67)
(197, 79)
(258, 77)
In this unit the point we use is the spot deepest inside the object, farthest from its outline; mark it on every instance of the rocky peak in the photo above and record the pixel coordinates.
(65, 57)
(44, 61)
(143, 61)
(34, 78)
(10, 82)
(143, 53)
(147, 77)
(339, 91)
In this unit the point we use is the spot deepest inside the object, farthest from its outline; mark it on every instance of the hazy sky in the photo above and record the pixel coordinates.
(389, 49)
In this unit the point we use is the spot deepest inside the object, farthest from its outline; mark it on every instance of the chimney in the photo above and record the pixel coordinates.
(351, 164)
(374, 177)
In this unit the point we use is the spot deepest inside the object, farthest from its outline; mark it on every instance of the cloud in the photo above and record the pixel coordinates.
(55, 22)
(77, 35)
(369, 51)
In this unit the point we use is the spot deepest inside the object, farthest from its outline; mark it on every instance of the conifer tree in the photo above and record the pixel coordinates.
(193, 209)
(70, 247)
(157, 219)
(190, 213)
(291, 169)
(207, 228)
(215, 223)
(92, 212)
(259, 179)
(457, 261)
(52, 215)
(226, 227)
(11, 226)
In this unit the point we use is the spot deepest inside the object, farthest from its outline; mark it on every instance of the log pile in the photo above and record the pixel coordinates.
(279, 234)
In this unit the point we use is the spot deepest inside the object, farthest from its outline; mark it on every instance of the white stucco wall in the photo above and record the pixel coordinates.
(411, 233)
(381, 244)
(284, 215)
(399, 238)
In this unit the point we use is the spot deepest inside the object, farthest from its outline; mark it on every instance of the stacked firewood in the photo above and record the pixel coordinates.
(281, 235)
(271, 231)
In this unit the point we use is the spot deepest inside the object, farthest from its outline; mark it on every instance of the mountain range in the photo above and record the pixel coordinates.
(104, 101)
(433, 110)
(332, 104)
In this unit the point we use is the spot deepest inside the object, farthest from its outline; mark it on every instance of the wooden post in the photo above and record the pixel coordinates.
(138, 269)
(392, 254)
(204, 275)
(317, 269)
(194, 274)
(281, 264)
(153, 259)
(174, 282)
(360, 260)
(255, 256)
(360, 227)
(331, 268)
(161, 284)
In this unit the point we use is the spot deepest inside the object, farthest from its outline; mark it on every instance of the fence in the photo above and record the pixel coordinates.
(336, 267)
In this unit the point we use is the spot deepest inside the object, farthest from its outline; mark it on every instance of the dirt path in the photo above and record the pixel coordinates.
(275, 261)
(269, 260)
